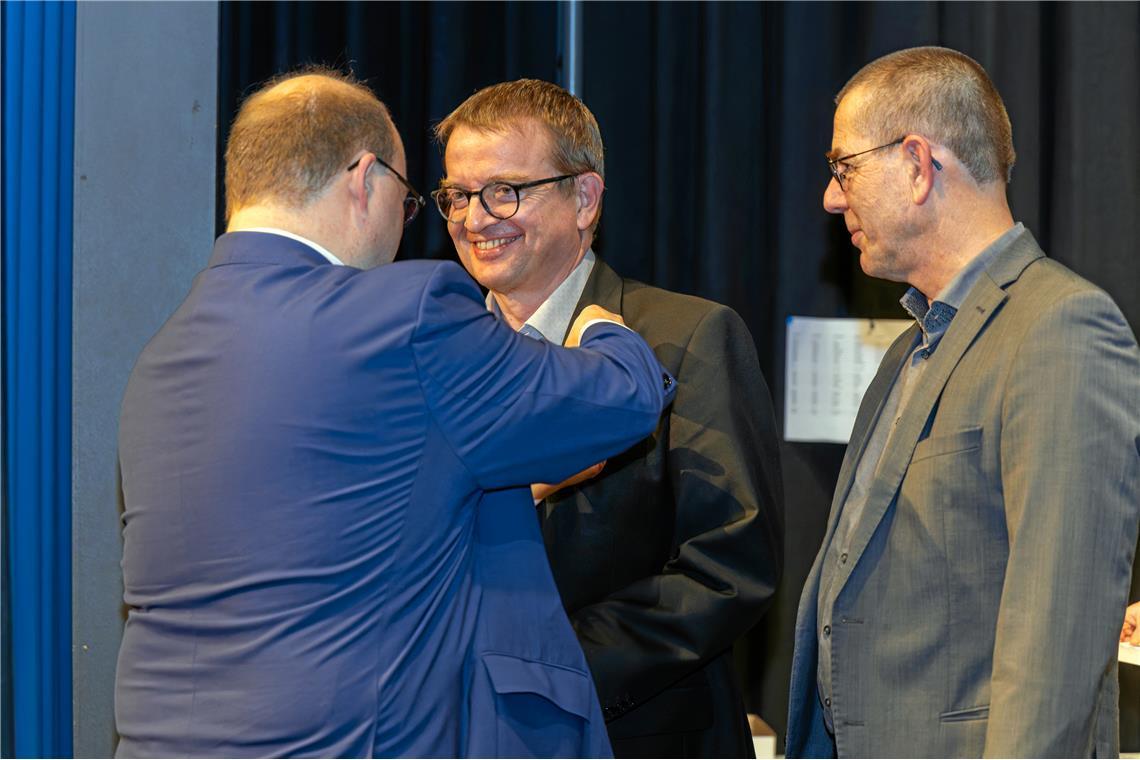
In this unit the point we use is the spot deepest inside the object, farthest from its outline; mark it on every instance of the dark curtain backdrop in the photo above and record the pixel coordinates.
(716, 118)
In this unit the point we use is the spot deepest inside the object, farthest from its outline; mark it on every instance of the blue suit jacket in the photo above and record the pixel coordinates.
(329, 548)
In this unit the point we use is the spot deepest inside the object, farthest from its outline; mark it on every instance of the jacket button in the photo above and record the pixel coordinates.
(843, 558)
(668, 381)
(827, 630)
(827, 702)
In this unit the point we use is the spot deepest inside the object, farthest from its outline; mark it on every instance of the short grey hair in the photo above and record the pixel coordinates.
(943, 95)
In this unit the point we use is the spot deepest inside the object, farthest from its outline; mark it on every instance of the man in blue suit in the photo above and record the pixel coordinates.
(329, 543)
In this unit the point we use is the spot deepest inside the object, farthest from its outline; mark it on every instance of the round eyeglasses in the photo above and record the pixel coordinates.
(500, 199)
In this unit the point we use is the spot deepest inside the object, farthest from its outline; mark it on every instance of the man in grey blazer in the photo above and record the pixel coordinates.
(968, 595)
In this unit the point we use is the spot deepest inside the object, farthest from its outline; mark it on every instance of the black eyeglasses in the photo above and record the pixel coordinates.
(413, 202)
(833, 163)
(500, 199)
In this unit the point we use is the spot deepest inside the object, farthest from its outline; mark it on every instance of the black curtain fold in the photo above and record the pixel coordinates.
(716, 117)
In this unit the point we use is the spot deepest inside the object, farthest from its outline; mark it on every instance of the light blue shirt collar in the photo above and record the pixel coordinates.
(552, 319)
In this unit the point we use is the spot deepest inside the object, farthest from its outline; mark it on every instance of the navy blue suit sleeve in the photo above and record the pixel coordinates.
(519, 411)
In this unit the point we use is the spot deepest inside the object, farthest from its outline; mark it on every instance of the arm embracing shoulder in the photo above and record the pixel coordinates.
(517, 410)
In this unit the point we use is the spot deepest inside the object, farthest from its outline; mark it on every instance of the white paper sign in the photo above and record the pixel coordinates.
(1129, 654)
(830, 363)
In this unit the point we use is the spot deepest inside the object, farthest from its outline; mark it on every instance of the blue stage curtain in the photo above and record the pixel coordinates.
(38, 125)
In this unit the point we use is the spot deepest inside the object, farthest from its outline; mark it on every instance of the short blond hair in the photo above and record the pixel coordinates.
(943, 95)
(297, 132)
(575, 137)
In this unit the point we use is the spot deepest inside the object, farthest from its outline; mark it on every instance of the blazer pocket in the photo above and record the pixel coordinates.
(981, 712)
(570, 690)
(951, 443)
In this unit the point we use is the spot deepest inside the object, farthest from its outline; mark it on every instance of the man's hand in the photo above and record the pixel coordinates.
(588, 314)
(541, 490)
(1130, 632)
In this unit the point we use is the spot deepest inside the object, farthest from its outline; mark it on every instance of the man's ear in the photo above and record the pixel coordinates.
(588, 193)
(923, 167)
(360, 183)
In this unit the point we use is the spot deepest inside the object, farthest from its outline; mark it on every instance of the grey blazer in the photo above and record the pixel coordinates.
(981, 603)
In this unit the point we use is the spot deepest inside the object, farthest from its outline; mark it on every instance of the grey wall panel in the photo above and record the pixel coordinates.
(145, 130)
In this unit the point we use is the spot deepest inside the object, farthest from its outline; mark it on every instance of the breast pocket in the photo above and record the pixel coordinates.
(541, 708)
(942, 491)
(951, 443)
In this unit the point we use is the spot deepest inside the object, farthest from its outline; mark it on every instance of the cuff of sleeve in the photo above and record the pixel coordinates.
(593, 322)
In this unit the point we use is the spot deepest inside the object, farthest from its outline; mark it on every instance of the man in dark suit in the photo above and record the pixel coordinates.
(329, 547)
(669, 551)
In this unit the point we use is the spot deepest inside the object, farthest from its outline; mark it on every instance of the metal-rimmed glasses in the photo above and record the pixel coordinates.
(413, 201)
(500, 199)
(834, 163)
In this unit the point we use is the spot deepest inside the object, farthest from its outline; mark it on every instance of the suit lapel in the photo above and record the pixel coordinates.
(980, 305)
(603, 287)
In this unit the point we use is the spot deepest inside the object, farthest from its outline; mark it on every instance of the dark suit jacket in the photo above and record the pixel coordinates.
(326, 551)
(980, 609)
(676, 548)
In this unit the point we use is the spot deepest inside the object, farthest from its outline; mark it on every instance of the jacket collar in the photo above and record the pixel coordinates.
(263, 248)
(604, 288)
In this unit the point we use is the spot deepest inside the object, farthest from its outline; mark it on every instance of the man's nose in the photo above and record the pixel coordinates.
(834, 199)
(477, 217)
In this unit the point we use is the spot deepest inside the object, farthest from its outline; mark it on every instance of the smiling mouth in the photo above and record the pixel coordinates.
(491, 246)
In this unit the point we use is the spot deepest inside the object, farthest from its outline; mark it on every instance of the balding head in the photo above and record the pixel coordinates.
(291, 137)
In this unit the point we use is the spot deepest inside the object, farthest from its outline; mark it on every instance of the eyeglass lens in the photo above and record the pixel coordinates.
(500, 200)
